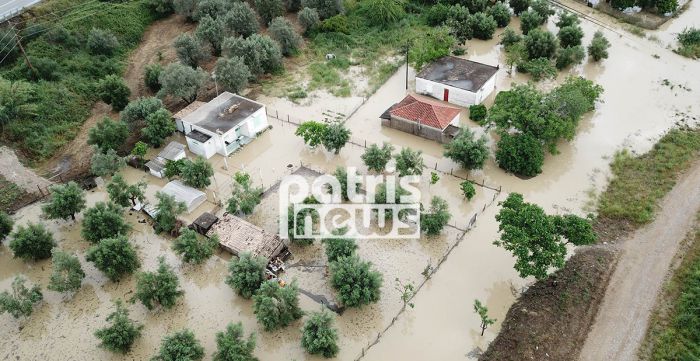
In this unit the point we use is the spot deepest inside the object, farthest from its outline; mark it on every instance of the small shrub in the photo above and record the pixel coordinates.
(478, 112)
(151, 77)
(22, 299)
(468, 189)
(102, 42)
(598, 49)
(318, 335)
(114, 91)
(122, 331)
(282, 31)
(181, 345)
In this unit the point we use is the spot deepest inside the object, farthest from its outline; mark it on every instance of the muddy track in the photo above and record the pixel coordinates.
(646, 256)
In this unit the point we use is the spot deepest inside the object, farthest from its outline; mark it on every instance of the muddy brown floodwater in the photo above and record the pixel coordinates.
(635, 110)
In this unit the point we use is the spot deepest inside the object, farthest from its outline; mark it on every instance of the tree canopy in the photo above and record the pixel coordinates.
(192, 249)
(318, 335)
(31, 242)
(180, 346)
(160, 288)
(246, 273)
(66, 200)
(21, 301)
(355, 282)
(244, 197)
(376, 158)
(115, 257)
(276, 306)
(168, 211)
(232, 346)
(465, 149)
(66, 274)
(436, 217)
(181, 81)
(197, 173)
(121, 333)
(409, 162)
(108, 134)
(104, 220)
(159, 125)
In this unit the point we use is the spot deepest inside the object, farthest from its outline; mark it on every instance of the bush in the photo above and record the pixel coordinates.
(354, 280)
(465, 149)
(336, 24)
(570, 36)
(185, 8)
(106, 163)
(6, 224)
(32, 242)
(666, 6)
(282, 31)
(182, 82)
(510, 37)
(276, 306)
(325, 8)
(108, 134)
(102, 42)
(318, 335)
(540, 68)
(66, 200)
(122, 331)
(189, 50)
(42, 69)
(567, 19)
(150, 77)
(500, 13)
(269, 9)
(569, 56)
(468, 190)
(521, 154)
(519, 6)
(529, 20)
(247, 273)
(231, 346)
(66, 273)
(181, 345)
(22, 300)
(598, 49)
(158, 289)
(540, 44)
(241, 19)
(437, 14)
(104, 220)
(115, 257)
(483, 26)
(211, 31)
(622, 4)
(337, 248)
(113, 91)
(308, 19)
(381, 12)
(136, 112)
(260, 53)
(191, 249)
(436, 217)
(478, 112)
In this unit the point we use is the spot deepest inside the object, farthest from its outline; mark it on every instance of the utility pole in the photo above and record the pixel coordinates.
(407, 64)
(21, 48)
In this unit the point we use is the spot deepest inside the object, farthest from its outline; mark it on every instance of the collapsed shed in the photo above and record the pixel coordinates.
(191, 197)
(238, 236)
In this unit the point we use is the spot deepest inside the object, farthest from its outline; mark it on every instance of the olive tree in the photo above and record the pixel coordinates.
(66, 273)
(570, 36)
(20, 303)
(325, 8)
(465, 149)
(276, 306)
(338, 247)
(180, 346)
(436, 217)
(136, 112)
(159, 289)
(244, 197)
(246, 274)
(182, 82)
(104, 220)
(598, 49)
(260, 53)
(519, 5)
(108, 134)
(540, 44)
(210, 8)
(232, 346)
(189, 50)
(197, 173)
(168, 211)
(106, 163)
(102, 42)
(567, 19)
(335, 136)
(572, 55)
(123, 194)
(31, 242)
(232, 73)
(376, 158)
(318, 335)
(241, 19)
(499, 12)
(66, 200)
(211, 31)
(191, 249)
(114, 91)
(355, 281)
(529, 20)
(409, 162)
(185, 8)
(115, 257)
(482, 25)
(308, 19)
(283, 32)
(121, 333)
(269, 9)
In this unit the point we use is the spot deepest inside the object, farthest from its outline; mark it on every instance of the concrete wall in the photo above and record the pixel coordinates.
(206, 149)
(486, 90)
(414, 128)
(456, 96)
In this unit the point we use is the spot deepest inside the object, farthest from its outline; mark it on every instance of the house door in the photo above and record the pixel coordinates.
(446, 94)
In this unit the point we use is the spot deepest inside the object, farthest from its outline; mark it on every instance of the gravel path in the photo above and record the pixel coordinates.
(623, 317)
(15, 172)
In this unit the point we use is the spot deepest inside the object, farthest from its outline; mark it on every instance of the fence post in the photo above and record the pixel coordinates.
(288, 119)
(277, 114)
(40, 191)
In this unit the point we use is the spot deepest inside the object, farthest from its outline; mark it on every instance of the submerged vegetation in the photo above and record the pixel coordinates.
(689, 40)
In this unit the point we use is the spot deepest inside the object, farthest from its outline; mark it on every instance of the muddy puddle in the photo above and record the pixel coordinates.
(636, 108)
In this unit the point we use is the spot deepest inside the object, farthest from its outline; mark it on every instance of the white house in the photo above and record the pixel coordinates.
(457, 81)
(172, 152)
(222, 125)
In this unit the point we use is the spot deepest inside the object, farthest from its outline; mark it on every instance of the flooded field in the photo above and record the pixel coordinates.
(637, 107)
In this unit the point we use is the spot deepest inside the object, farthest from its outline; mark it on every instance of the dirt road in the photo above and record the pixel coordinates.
(646, 257)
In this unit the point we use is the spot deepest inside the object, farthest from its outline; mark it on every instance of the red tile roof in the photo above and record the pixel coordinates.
(424, 111)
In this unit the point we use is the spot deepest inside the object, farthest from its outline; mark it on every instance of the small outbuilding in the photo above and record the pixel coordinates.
(237, 235)
(423, 117)
(172, 152)
(458, 81)
(222, 125)
(191, 197)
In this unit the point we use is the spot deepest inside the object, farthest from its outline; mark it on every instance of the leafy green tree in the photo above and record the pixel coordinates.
(598, 49)
(465, 149)
(521, 154)
(318, 335)
(570, 36)
(529, 20)
(409, 162)
(269, 9)
(540, 44)
(232, 346)
(483, 26)
(108, 134)
(66, 200)
(137, 111)
(185, 8)
(435, 219)
(312, 132)
(16, 100)
(407, 290)
(341, 174)
(622, 4)
(499, 12)
(104, 220)
(296, 231)
(246, 274)
(260, 53)
(666, 6)
(510, 37)
(6, 224)
(283, 32)
(542, 8)
(173, 168)
(180, 346)
(114, 91)
(567, 19)
(575, 229)
(102, 42)
(33, 242)
(159, 289)
(335, 136)
(434, 44)
(159, 125)
(168, 211)
(106, 163)
(354, 280)
(115, 257)
(189, 51)
(468, 190)
(478, 112)
(182, 82)
(67, 274)
(161, 8)
(123, 194)
(244, 197)
(325, 8)
(519, 6)
(191, 249)
(569, 56)
(308, 19)
(382, 12)
(540, 68)
(211, 31)
(197, 173)
(232, 73)
(337, 247)
(437, 14)
(241, 19)
(459, 23)
(276, 306)
(122, 331)
(22, 299)
(482, 311)
(376, 158)
(211, 8)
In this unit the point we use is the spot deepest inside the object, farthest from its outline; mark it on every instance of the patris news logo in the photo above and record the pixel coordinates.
(363, 206)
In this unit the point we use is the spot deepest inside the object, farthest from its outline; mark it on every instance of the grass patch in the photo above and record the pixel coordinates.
(10, 194)
(636, 30)
(639, 182)
(58, 44)
(689, 40)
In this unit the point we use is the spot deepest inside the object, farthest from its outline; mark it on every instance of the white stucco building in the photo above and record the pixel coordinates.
(457, 81)
(222, 125)
(172, 152)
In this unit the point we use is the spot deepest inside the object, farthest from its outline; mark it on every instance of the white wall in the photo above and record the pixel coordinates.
(456, 96)
(486, 90)
(206, 149)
